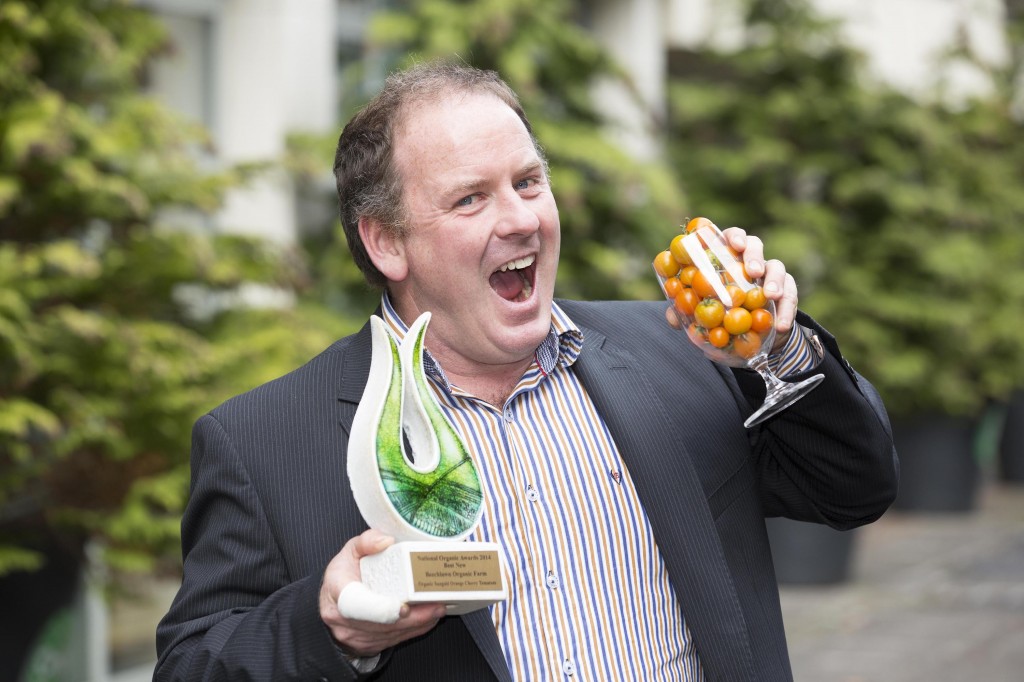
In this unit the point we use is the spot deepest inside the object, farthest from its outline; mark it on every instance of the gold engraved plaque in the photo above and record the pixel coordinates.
(459, 571)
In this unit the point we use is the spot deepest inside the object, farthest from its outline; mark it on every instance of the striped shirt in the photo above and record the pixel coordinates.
(589, 595)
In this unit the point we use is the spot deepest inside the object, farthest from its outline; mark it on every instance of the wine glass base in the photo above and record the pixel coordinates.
(781, 398)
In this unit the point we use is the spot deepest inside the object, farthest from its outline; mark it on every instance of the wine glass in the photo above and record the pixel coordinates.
(723, 311)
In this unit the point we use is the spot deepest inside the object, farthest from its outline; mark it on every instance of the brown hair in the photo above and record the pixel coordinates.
(364, 170)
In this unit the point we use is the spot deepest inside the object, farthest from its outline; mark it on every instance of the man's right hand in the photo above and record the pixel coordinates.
(359, 637)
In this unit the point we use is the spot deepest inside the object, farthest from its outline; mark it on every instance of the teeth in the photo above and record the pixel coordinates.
(517, 264)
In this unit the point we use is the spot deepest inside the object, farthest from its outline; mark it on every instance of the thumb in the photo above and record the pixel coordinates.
(370, 542)
(356, 600)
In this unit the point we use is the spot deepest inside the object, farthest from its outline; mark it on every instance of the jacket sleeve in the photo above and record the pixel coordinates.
(239, 614)
(829, 457)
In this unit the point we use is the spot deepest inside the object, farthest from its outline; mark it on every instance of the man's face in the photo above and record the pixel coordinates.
(482, 240)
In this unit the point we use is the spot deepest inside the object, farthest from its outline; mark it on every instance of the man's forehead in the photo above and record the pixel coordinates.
(453, 124)
(448, 106)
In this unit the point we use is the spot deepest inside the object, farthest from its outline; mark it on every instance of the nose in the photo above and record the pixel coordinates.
(516, 216)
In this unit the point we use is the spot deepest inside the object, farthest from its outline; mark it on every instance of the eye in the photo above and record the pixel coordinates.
(467, 200)
(525, 183)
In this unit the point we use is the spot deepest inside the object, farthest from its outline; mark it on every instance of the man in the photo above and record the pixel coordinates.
(627, 495)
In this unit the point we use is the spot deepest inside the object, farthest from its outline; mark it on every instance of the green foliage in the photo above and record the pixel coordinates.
(900, 219)
(106, 358)
(614, 208)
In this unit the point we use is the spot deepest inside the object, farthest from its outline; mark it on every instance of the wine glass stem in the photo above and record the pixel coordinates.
(759, 363)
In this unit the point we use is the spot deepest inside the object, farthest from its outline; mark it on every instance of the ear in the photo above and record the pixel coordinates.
(386, 250)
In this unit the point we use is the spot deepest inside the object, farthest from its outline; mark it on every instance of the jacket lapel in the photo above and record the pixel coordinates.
(674, 502)
(355, 373)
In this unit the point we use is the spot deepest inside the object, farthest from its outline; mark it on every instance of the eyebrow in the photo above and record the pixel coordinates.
(536, 166)
(470, 186)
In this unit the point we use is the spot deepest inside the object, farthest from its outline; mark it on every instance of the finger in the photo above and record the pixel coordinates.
(736, 237)
(359, 602)
(753, 256)
(370, 542)
(344, 569)
(365, 639)
(774, 279)
(786, 306)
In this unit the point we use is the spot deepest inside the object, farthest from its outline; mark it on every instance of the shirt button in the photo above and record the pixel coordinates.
(508, 415)
(568, 667)
(552, 580)
(531, 493)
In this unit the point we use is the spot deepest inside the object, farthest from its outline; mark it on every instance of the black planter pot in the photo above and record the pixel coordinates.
(810, 553)
(1011, 442)
(938, 468)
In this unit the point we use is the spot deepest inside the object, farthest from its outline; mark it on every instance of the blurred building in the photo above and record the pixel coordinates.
(255, 71)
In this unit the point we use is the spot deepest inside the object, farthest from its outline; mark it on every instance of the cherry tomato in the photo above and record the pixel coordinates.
(761, 320)
(747, 345)
(686, 301)
(695, 223)
(665, 265)
(709, 313)
(736, 294)
(737, 320)
(738, 269)
(702, 285)
(718, 337)
(673, 286)
(755, 298)
(678, 251)
(686, 274)
(696, 334)
(673, 318)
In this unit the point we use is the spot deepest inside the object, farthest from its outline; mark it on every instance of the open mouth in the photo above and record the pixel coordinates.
(513, 281)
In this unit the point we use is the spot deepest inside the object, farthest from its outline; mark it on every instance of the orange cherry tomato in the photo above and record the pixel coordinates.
(678, 251)
(718, 337)
(747, 345)
(736, 294)
(695, 223)
(738, 269)
(673, 286)
(737, 320)
(696, 334)
(755, 298)
(761, 320)
(686, 274)
(686, 301)
(665, 265)
(673, 318)
(702, 285)
(709, 313)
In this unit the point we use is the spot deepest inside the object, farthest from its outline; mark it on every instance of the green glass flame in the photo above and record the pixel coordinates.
(446, 501)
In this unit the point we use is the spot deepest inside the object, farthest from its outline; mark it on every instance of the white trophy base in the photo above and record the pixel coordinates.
(465, 576)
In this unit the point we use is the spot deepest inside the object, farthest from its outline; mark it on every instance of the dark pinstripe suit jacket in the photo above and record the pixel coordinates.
(270, 504)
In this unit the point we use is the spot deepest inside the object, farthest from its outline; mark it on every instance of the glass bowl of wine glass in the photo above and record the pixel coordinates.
(724, 311)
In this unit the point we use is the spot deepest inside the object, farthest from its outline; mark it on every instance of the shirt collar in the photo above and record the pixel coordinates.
(561, 346)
